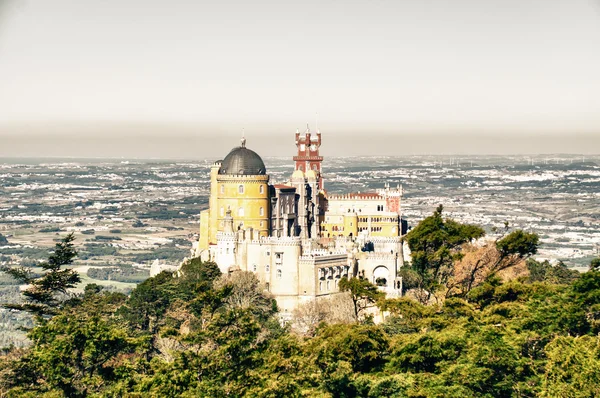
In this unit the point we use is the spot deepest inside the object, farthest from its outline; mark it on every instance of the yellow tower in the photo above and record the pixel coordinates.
(239, 184)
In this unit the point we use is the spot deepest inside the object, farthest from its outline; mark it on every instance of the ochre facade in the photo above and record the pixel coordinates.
(298, 239)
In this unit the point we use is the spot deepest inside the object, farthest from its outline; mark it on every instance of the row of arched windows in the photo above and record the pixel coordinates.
(241, 189)
(327, 285)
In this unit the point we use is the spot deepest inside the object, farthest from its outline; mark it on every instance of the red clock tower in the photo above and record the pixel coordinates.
(308, 157)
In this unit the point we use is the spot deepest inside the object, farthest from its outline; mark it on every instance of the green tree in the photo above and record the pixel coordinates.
(573, 367)
(362, 293)
(79, 351)
(435, 245)
(546, 272)
(595, 265)
(48, 292)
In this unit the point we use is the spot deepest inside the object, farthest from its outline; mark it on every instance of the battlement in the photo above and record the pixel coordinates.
(275, 241)
(356, 196)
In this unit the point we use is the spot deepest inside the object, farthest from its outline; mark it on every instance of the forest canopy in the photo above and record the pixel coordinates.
(467, 327)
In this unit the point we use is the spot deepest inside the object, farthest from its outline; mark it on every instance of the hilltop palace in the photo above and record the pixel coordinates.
(298, 239)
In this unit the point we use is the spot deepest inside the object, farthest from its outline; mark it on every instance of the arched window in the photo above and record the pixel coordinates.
(261, 189)
(328, 285)
(261, 211)
(321, 286)
(240, 188)
(241, 212)
(222, 188)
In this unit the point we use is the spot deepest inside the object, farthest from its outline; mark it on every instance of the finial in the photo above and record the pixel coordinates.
(307, 128)
(243, 139)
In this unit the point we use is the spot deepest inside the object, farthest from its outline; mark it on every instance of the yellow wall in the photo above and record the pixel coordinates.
(380, 225)
(212, 203)
(204, 229)
(251, 201)
(351, 224)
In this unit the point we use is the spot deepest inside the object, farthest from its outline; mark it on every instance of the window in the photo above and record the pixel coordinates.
(254, 267)
(279, 273)
(328, 285)
(240, 189)
(222, 211)
(261, 189)
(268, 287)
(261, 224)
(241, 212)
(267, 268)
(261, 211)
(222, 188)
(321, 286)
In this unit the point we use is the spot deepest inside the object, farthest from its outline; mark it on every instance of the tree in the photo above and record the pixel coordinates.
(595, 265)
(246, 292)
(476, 264)
(3, 240)
(78, 351)
(309, 315)
(362, 292)
(546, 272)
(435, 245)
(47, 293)
(572, 367)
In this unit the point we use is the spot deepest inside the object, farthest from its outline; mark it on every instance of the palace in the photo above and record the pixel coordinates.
(298, 239)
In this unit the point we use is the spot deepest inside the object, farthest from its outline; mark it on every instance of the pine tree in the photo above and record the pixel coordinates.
(46, 293)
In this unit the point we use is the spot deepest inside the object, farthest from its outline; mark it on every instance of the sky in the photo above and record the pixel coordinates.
(419, 76)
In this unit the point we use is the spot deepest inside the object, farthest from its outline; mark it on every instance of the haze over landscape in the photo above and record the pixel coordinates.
(182, 79)
(359, 198)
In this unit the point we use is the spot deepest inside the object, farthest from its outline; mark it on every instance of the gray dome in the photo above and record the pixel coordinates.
(242, 161)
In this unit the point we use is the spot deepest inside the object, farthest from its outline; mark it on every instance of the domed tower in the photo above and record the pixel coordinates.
(242, 188)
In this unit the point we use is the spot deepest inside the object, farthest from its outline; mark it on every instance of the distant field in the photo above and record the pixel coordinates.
(139, 211)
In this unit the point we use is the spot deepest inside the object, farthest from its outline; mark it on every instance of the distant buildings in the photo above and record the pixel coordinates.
(299, 240)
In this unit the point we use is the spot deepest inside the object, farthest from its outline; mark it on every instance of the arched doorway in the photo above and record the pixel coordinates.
(381, 276)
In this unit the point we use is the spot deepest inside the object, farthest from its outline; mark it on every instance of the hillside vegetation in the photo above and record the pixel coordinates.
(477, 321)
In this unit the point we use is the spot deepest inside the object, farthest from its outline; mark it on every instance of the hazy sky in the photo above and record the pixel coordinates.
(395, 67)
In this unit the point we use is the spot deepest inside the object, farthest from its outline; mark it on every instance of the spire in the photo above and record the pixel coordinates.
(307, 128)
(243, 139)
